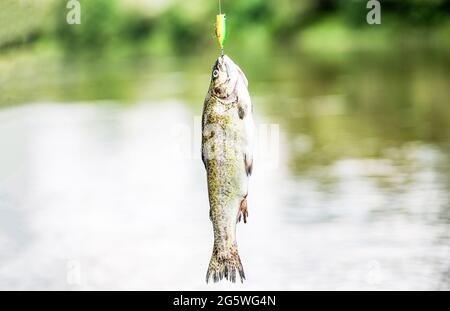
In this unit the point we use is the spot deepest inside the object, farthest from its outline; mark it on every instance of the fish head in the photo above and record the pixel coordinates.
(224, 76)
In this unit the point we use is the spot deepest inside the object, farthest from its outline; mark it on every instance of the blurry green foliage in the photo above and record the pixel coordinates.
(99, 23)
(186, 25)
(21, 21)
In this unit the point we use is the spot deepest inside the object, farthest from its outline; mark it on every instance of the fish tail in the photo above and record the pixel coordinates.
(224, 264)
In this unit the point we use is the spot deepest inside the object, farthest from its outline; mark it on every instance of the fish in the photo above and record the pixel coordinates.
(227, 154)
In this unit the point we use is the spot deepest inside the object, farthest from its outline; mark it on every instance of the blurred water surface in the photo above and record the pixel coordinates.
(102, 186)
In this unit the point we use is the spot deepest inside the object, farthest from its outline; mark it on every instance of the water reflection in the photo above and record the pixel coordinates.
(92, 195)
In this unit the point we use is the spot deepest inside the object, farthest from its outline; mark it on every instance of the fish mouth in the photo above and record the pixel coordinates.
(223, 64)
(222, 67)
(221, 81)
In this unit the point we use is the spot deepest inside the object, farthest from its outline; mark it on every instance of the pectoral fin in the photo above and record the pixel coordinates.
(248, 161)
(243, 210)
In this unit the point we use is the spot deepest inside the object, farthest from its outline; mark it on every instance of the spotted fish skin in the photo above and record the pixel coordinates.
(227, 135)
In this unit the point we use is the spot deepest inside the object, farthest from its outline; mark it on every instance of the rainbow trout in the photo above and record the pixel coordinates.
(227, 134)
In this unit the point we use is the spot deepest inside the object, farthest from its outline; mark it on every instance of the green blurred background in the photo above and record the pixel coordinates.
(187, 26)
(363, 111)
(395, 74)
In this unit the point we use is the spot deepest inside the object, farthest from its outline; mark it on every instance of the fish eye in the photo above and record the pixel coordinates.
(215, 73)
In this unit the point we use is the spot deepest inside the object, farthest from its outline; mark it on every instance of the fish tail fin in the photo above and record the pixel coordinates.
(224, 264)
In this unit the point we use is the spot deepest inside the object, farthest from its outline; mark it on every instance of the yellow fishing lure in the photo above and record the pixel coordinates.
(221, 29)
